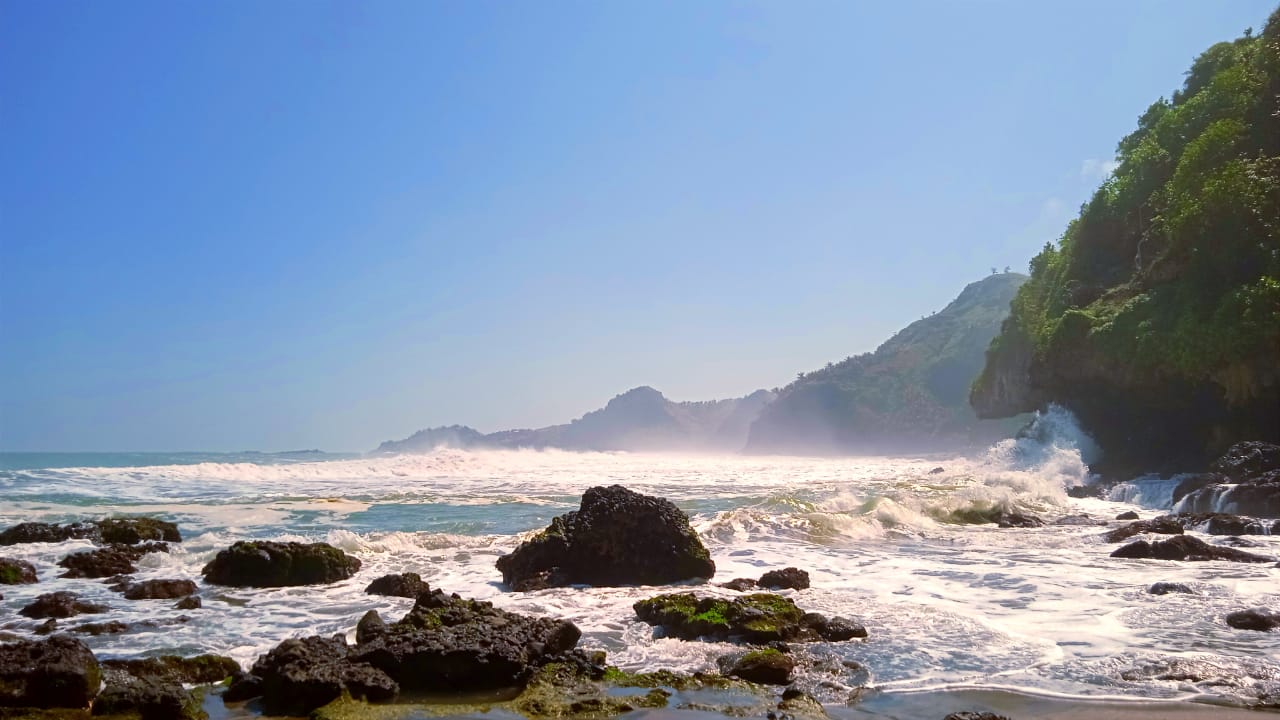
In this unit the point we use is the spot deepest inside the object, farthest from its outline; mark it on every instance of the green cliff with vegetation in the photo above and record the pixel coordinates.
(1156, 316)
(911, 394)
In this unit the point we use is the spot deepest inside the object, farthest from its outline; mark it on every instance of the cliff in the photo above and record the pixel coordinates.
(1156, 317)
(909, 395)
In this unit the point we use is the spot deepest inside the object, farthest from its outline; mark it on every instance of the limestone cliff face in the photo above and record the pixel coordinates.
(1156, 318)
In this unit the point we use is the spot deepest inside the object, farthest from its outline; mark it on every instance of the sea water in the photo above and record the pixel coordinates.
(1043, 610)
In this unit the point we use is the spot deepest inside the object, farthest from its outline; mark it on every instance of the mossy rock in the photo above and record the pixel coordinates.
(276, 564)
(133, 530)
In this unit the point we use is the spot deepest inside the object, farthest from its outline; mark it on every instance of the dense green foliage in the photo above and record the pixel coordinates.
(1172, 269)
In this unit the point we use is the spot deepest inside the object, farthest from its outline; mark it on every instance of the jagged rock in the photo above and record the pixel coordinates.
(407, 585)
(191, 602)
(243, 686)
(740, 584)
(302, 674)
(108, 561)
(110, 627)
(766, 666)
(1129, 515)
(197, 670)
(33, 532)
(47, 627)
(148, 698)
(793, 578)
(1160, 526)
(1185, 547)
(1165, 588)
(1260, 619)
(133, 530)
(61, 604)
(59, 672)
(16, 572)
(758, 618)
(159, 589)
(1005, 519)
(616, 537)
(1239, 542)
(275, 564)
(370, 626)
(448, 643)
(1222, 523)
(1245, 480)
(1247, 459)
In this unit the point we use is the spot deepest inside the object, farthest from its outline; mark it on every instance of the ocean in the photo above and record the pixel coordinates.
(947, 606)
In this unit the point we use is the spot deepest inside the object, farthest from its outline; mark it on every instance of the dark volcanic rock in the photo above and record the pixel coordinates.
(1259, 619)
(1160, 526)
(971, 715)
(133, 530)
(758, 618)
(1130, 515)
(159, 589)
(302, 674)
(1164, 588)
(16, 572)
(371, 625)
(275, 564)
(191, 602)
(198, 670)
(61, 604)
(147, 699)
(59, 672)
(766, 666)
(793, 578)
(616, 537)
(448, 643)
(1222, 523)
(111, 627)
(1247, 459)
(1185, 547)
(1003, 518)
(740, 584)
(31, 532)
(1246, 480)
(407, 585)
(107, 561)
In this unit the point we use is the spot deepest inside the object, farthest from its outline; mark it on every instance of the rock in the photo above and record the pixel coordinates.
(1164, 588)
(839, 629)
(302, 674)
(766, 666)
(1159, 526)
(793, 578)
(111, 627)
(971, 715)
(406, 585)
(47, 627)
(616, 537)
(937, 471)
(32, 532)
(133, 530)
(758, 618)
(275, 564)
(197, 670)
(1233, 541)
(740, 584)
(1086, 491)
(191, 602)
(1018, 520)
(1259, 619)
(244, 686)
(1185, 547)
(107, 561)
(159, 589)
(1247, 459)
(1245, 480)
(448, 643)
(147, 699)
(1222, 523)
(61, 604)
(16, 572)
(999, 516)
(1130, 515)
(370, 626)
(59, 672)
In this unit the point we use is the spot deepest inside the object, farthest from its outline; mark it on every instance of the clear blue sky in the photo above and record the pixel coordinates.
(277, 225)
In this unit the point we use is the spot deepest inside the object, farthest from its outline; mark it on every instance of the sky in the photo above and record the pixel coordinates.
(283, 225)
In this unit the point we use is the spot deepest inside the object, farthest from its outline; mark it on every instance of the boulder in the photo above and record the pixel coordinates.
(1245, 480)
(133, 530)
(974, 715)
(302, 674)
(61, 604)
(107, 561)
(1129, 515)
(616, 537)
(1165, 588)
(1160, 526)
(33, 532)
(766, 666)
(191, 602)
(59, 672)
(110, 627)
(197, 670)
(787, 578)
(1004, 519)
(159, 589)
(1185, 547)
(740, 584)
(1222, 523)
(16, 572)
(276, 564)
(146, 699)
(1260, 619)
(1247, 459)
(757, 618)
(371, 625)
(406, 585)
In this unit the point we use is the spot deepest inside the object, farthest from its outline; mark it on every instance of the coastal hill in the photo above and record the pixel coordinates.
(639, 419)
(1156, 317)
(910, 394)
